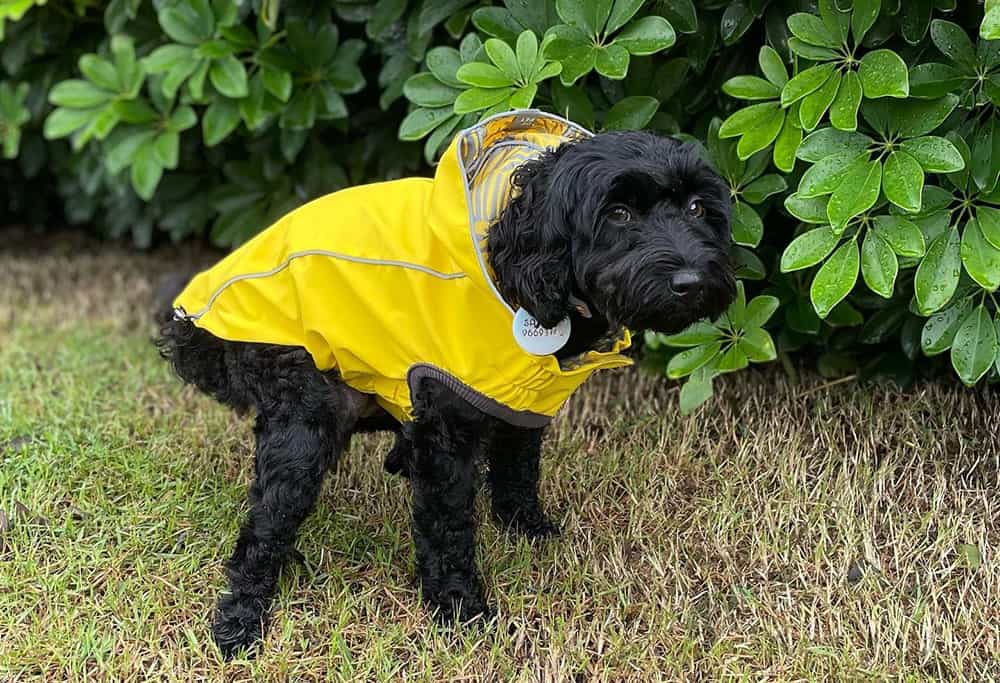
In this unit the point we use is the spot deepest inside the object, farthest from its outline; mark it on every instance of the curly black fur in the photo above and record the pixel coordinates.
(562, 236)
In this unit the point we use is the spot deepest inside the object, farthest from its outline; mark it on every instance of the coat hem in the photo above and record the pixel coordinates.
(492, 407)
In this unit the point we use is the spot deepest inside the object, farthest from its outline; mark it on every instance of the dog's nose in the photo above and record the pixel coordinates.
(685, 282)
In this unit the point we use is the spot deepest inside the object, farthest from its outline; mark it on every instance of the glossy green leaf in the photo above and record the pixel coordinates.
(939, 330)
(748, 119)
(577, 58)
(759, 311)
(903, 236)
(747, 225)
(807, 210)
(974, 348)
(621, 12)
(167, 149)
(102, 73)
(980, 258)
(988, 219)
(681, 14)
(934, 154)
(612, 61)
(990, 28)
(857, 193)
(631, 113)
(686, 362)
(146, 171)
(444, 62)
(814, 105)
(527, 55)
(477, 99)
(903, 181)
(731, 360)
(985, 163)
(695, 391)
(503, 57)
(808, 81)
(425, 90)
(933, 80)
(954, 43)
(844, 110)
(808, 249)
(523, 96)
(736, 19)
(825, 176)
(277, 82)
(229, 77)
(757, 345)
(772, 66)
(221, 119)
(787, 142)
(590, 16)
(938, 274)
(763, 187)
(750, 88)
(879, 265)
(646, 36)
(78, 94)
(420, 122)
(863, 17)
(482, 75)
(761, 136)
(812, 52)
(811, 29)
(914, 118)
(827, 142)
(883, 73)
(835, 278)
(694, 335)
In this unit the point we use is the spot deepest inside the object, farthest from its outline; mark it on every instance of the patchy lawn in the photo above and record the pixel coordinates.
(787, 531)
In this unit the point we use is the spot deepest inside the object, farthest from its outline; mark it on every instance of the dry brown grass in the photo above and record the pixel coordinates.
(786, 532)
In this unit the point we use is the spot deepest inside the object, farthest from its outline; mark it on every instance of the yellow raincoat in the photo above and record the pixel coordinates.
(388, 283)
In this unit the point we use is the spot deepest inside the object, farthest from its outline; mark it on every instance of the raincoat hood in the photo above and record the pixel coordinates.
(388, 283)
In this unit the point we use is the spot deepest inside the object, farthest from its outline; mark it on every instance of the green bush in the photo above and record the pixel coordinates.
(860, 139)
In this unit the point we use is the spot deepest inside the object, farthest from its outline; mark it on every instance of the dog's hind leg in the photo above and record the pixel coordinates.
(514, 459)
(446, 437)
(297, 440)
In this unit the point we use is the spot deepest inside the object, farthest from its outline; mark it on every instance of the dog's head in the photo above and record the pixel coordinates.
(634, 224)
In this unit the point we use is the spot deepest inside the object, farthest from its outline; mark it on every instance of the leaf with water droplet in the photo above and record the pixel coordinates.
(835, 278)
(954, 43)
(937, 275)
(903, 181)
(903, 236)
(879, 265)
(857, 193)
(974, 349)
(989, 223)
(939, 330)
(883, 73)
(981, 259)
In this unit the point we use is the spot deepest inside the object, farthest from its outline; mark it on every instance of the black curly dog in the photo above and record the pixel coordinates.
(635, 225)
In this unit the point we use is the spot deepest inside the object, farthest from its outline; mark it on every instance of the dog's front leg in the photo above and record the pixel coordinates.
(515, 457)
(291, 458)
(446, 438)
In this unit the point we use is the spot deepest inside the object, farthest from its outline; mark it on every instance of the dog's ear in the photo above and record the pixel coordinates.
(529, 245)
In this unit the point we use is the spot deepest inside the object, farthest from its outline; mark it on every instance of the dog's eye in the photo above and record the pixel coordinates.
(620, 214)
(696, 208)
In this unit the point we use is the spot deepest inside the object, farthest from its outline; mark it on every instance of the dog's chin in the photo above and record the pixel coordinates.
(672, 315)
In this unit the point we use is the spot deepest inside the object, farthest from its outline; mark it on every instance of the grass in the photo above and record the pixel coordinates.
(786, 532)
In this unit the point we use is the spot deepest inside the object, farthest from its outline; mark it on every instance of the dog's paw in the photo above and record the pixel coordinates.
(239, 626)
(530, 523)
(459, 603)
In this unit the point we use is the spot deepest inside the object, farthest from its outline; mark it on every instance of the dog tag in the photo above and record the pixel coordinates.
(538, 340)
